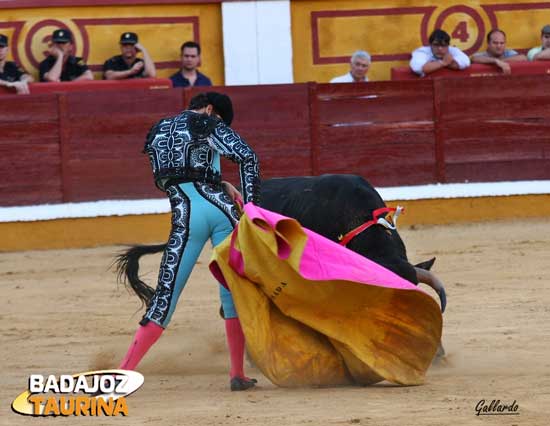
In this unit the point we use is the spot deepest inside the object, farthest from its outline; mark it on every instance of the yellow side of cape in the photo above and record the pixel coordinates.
(301, 332)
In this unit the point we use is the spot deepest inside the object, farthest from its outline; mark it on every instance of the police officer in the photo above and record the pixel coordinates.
(61, 65)
(127, 64)
(11, 75)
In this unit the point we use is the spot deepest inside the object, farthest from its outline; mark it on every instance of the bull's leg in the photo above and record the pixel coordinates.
(440, 351)
(427, 277)
(439, 354)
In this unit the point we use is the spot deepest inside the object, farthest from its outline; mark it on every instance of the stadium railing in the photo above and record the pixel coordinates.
(475, 70)
(94, 85)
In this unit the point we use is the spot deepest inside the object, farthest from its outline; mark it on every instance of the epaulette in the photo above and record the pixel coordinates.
(201, 125)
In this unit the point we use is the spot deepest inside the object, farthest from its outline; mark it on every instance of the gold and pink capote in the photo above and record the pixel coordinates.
(317, 314)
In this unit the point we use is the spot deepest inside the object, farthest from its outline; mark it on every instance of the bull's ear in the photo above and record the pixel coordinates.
(427, 265)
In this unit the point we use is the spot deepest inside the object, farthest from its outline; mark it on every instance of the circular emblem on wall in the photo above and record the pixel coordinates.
(39, 39)
(464, 25)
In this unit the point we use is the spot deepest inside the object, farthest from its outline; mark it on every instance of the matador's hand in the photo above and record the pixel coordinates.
(231, 191)
(235, 195)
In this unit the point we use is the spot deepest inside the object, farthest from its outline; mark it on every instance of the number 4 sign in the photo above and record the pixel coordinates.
(461, 32)
(465, 26)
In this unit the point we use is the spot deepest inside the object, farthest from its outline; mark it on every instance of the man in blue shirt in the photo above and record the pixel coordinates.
(497, 53)
(188, 75)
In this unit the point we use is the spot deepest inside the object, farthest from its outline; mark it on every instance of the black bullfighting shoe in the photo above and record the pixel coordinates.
(240, 384)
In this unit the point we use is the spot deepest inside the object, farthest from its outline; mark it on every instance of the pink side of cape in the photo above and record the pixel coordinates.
(324, 260)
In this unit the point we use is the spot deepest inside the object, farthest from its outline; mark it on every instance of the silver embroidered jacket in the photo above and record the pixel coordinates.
(188, 146)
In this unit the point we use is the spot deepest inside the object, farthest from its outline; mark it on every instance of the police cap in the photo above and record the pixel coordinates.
(62, 35)
(128, 38)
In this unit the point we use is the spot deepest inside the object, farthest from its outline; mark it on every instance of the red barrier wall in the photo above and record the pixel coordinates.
(96, 85)
(494, 129)
(30, 162)
(383, 131)
(79, 146)
(476, 70)
(103, 138)
(275, 120)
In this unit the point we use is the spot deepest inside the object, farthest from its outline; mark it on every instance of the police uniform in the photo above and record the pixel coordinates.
(72, 69)
(11, 71)
(117, 63)
(184, 152)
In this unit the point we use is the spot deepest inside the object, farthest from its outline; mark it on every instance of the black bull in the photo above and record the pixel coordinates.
(330, 205)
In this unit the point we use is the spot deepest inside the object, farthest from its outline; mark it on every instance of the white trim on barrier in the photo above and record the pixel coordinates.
(465, 190)
(157, 206)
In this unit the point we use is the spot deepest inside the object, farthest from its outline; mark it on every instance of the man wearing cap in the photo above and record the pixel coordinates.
(496, 52)
(11, 75)
(541, 53)
(127, 64)
(438, 55)
(61, 65)
(185, 152)
(189, 75)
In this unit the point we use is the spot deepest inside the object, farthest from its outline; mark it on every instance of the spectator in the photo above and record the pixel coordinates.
(127, 64)
(10, 74)
(61, 65)
(359, 67)
(188, 75)
(438, 55)
(541, 53)
(497, 53)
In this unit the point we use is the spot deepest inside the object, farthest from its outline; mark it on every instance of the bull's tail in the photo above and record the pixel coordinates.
(127, 269)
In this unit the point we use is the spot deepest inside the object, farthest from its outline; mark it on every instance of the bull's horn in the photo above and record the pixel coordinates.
(429, 278)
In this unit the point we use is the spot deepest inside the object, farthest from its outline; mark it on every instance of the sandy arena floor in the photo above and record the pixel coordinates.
(63, 313)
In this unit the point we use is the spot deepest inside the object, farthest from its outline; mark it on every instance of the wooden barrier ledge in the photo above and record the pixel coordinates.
(154, 228)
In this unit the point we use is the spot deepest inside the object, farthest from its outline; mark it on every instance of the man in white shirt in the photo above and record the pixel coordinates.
(438, 55)
(359, 64)
(542, 52)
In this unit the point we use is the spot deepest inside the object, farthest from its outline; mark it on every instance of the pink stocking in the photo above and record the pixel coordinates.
(235, 341)
(145, 337)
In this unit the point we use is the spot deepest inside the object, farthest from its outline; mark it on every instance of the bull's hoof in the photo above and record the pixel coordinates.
(240, 384)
